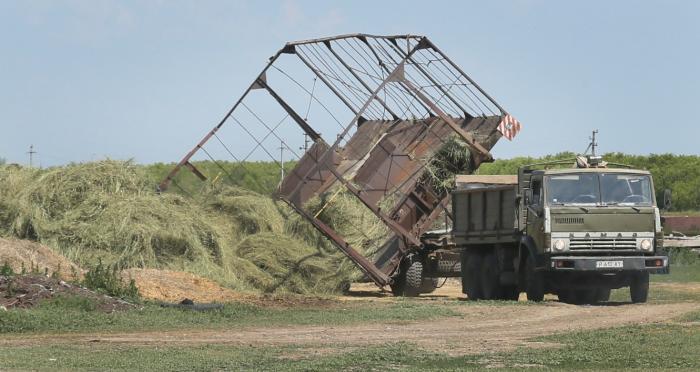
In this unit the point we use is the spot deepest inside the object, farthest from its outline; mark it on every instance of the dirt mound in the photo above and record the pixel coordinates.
(33, 256)
(25, 291)
(175, 286)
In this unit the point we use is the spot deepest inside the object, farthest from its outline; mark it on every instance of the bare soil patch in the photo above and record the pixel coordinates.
(30, 255)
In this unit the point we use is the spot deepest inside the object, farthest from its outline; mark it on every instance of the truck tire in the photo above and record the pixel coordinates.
(639, 287)
(566, 296)
(463, 261)
(509, 293)
(534, 282)
(603, 295)
(471, 274)
(490, 276)
(585, 296)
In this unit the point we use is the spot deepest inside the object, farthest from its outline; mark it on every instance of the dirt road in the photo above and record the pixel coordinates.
(481, 327)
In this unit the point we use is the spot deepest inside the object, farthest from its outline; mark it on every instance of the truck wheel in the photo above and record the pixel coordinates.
(509, 293)
(603, 295)
(534, 282)
(639, 287)
(490, 281)
(585, 296)
(566, 296)
(471, 275)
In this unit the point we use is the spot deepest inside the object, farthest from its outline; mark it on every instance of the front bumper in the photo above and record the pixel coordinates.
(609, 264)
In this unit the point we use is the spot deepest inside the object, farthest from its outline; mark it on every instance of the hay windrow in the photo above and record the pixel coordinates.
(108, 210)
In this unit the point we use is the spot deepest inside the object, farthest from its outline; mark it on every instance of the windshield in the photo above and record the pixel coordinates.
(625, 189)
(599, 188)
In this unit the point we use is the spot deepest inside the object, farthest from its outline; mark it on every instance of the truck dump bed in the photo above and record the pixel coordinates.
(485, 209)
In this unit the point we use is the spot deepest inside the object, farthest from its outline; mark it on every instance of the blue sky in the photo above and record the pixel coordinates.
(89, 79)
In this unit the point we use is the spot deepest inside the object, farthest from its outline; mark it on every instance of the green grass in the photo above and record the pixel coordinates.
(72, 314)
(633, 347)
(679, 274)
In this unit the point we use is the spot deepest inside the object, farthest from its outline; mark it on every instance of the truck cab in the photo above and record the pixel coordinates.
(578, 232)
(589, 230)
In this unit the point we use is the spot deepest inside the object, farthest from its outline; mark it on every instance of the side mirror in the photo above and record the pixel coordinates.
(527, 197)
(667, 200)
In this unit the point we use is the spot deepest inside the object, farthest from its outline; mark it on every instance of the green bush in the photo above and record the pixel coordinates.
(107, 279)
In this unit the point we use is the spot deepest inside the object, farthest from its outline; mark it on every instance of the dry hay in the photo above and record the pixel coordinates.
(23, 255)
(175, 286)
(106, 210)
(249, 242)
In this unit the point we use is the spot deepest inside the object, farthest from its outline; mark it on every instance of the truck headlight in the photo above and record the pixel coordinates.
(559, 245)
(645, 245)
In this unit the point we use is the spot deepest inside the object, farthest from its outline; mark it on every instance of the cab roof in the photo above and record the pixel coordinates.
(591, 170)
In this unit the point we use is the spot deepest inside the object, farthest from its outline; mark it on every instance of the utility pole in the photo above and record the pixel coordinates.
(593, 144)
(306, 143)
(31, 153)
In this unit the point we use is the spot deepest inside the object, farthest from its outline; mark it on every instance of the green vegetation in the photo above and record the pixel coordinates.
(77, 314)
(107, 279)
(679, 173)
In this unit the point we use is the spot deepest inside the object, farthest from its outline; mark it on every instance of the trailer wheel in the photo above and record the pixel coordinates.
(414, 278)
(471, 275)
(490, 278)
(534, 282)
(399, 284)
(639, 287)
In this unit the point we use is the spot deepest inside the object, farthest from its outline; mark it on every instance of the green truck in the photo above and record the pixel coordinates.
(574, 231)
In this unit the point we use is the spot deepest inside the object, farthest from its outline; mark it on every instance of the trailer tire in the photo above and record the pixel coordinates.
(414, 278)
(639, 287)
(399, 284)
(471, 275)
(534, 282)
(490, 276)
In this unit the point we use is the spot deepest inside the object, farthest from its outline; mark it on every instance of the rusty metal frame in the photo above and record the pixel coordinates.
(356, 69)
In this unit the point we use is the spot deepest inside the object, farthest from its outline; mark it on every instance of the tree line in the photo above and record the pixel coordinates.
(679, 173)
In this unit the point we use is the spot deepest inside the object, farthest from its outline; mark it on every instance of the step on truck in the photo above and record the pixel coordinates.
(575, 228)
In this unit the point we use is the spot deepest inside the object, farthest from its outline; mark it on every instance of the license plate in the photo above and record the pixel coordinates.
(607, 264)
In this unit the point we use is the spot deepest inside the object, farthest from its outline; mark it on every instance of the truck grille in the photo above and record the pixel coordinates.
(602, 243)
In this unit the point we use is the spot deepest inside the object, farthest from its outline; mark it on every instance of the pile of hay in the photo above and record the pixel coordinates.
(451, 159)
(108, 210)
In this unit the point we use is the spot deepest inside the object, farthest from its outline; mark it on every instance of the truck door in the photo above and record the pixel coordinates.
(535, 213)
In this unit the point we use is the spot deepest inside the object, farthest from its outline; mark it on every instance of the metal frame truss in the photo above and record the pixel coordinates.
(402, 98)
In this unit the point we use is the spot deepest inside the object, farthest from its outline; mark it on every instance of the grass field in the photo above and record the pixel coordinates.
(632, 347)
(672, 343)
